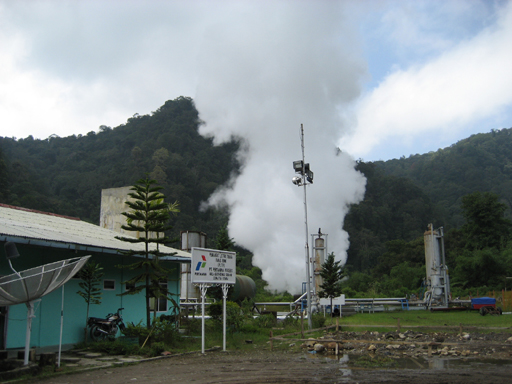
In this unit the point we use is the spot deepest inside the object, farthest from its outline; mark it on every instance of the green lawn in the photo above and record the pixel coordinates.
(426, 319)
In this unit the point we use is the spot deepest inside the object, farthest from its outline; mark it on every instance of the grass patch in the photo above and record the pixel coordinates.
(254, 333)
(424, 320)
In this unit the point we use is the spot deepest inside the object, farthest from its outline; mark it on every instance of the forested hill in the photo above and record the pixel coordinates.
(65, 175)
(404, 195)
(482, 162)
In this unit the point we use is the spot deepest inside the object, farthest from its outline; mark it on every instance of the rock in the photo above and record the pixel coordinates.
(389, 346)
(332, 345)
(402, 336)
(92, 355)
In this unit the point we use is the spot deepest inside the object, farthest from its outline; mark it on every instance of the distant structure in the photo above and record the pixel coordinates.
(437, 293)
(112, 206)
(319, 241)
(189, 240)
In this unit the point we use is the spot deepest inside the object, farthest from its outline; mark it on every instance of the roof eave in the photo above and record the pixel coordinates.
(79, 247)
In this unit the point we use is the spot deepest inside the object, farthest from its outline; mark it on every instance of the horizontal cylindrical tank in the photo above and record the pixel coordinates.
(245, 288)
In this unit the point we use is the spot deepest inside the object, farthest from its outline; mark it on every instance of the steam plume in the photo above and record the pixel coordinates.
(260, 87)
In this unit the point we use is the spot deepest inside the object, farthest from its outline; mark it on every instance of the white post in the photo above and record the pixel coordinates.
(225, 288)
(61, 326)
(203, 287)
(30, 315)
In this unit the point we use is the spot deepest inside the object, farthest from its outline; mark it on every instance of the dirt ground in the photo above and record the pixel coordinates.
(368, 358)
(276, 367)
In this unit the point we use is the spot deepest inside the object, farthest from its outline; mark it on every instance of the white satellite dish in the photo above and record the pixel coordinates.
(29, 285)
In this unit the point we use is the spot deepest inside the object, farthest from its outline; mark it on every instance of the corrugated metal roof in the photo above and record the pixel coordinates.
(34, 227)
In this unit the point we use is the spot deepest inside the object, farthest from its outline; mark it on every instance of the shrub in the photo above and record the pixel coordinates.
(136, 330)
(290, 321)
(115, 347)
(164, 329)
(156, 348)
(234, 319)
(265, 321)
(249, 327)
(318, 321)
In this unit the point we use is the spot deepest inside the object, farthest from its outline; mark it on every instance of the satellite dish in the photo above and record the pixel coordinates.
(29, 285)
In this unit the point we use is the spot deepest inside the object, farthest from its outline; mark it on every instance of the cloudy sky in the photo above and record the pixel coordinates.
(379, 79)
(430, 72)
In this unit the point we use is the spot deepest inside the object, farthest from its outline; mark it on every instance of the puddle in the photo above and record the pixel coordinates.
(348, 361)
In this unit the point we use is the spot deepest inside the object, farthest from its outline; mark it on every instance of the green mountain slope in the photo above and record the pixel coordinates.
(482, 162)
(66, 175)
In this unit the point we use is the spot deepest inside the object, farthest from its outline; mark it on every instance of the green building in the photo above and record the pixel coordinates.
(42, 238)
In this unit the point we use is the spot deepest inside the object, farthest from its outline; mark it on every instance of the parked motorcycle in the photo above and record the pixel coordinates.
(106, 328)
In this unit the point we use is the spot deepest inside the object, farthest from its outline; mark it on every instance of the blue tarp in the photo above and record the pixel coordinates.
(483, 301)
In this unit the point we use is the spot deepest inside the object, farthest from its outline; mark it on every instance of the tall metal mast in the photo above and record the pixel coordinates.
(306, 178)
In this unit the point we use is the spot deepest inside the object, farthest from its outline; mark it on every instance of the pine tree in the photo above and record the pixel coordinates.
(223, 242)
(90, 274)
(331, 273)
(148, 217)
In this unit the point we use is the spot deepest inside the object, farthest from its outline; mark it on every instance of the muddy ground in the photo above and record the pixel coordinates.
(366, 357)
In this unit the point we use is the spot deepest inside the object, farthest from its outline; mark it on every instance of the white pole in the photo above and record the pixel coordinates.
(203, 287)
(61, 326)
(30, 315)
(225, 288)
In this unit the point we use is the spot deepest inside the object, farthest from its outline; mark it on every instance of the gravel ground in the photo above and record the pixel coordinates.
(366, 357)
(280, 367)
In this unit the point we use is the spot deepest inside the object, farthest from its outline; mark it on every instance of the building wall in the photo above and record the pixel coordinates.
(113, 204)
(46, 324)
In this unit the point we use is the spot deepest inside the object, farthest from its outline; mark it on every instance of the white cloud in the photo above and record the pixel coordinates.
(469, 82)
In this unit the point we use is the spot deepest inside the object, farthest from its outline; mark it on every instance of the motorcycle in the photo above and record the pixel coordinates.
(106, 328)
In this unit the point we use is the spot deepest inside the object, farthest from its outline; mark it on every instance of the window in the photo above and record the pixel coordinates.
(109, 285)
(160, 302)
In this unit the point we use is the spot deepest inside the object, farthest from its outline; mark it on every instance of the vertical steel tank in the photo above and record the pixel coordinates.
(189, 240)
(318, 258)
(437, 279)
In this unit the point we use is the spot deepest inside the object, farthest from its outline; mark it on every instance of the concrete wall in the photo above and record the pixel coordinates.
(112, 206)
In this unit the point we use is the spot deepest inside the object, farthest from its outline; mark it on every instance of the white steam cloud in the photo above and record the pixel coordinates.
(259, 80)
